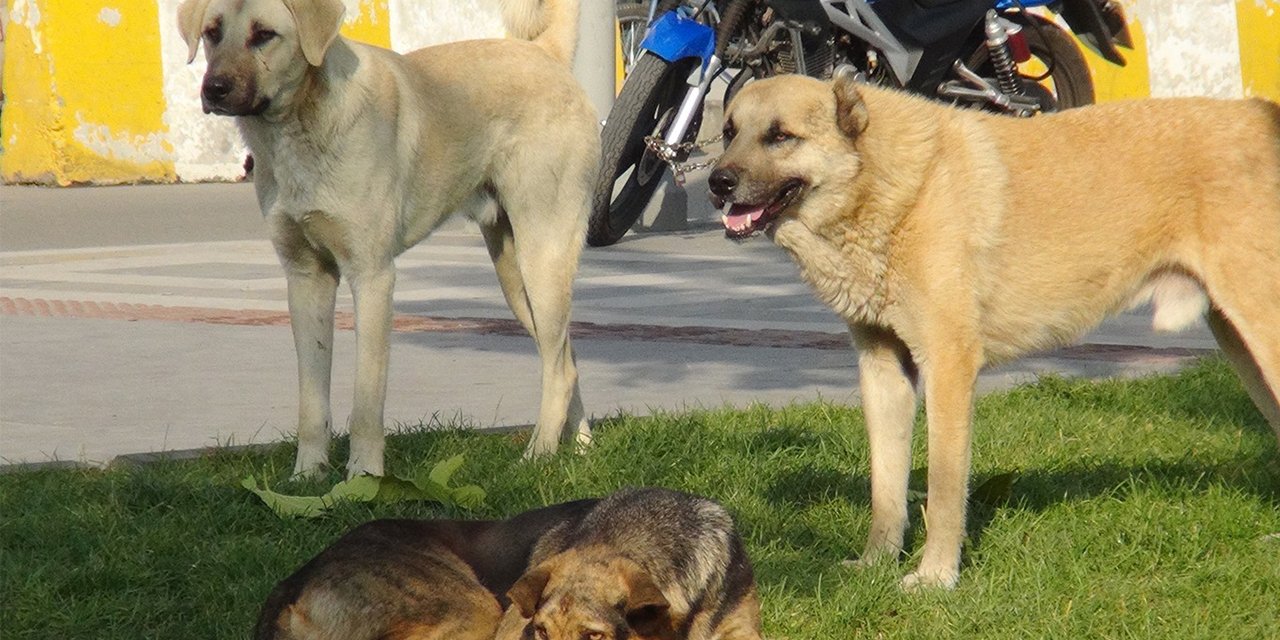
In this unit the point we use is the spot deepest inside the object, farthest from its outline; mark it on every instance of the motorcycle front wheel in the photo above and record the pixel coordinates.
(629, 172)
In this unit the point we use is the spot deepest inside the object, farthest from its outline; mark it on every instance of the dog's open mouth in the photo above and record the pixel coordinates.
(743, 220)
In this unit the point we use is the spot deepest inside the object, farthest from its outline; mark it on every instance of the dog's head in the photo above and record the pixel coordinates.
(786, 140)
(259, 51)
(576, 596)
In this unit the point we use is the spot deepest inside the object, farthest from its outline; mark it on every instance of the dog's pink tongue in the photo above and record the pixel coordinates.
(742, 216)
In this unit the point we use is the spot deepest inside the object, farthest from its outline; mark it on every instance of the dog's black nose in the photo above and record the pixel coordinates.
(216, 89)
(722, 182)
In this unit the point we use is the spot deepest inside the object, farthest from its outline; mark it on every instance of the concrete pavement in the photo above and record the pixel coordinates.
(145, 319)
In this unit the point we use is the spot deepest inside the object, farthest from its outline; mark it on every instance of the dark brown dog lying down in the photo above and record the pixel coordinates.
(411, 579)
(641, 564)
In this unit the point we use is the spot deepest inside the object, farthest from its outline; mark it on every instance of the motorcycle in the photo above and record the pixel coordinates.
(992, 54)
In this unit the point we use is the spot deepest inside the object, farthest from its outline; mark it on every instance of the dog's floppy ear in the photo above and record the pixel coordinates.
(191, 25)
(527, 591)
(318, 22)
(647, 610)
(851, 110)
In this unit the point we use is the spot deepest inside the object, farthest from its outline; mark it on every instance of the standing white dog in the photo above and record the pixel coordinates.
(361, 152)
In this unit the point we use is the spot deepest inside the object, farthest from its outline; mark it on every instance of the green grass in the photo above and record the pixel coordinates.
(1140, 509)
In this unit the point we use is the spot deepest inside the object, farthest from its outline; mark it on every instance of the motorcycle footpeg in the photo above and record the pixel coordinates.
(980, 88)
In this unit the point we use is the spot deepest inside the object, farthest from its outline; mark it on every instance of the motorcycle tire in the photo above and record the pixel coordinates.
(650, 94)
(1072, 80)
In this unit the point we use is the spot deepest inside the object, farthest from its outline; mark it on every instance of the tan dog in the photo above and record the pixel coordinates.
(950, 240)
(360, 153)
(642, 564)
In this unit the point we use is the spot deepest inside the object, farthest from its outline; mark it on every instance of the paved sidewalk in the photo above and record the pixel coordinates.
(144, 319)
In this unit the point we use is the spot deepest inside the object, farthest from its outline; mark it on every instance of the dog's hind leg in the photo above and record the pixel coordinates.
(548, 276)
(312, 283)
(501, 243)
(1233, 347)
(887, 377)
(1241, 273)
(546, 250)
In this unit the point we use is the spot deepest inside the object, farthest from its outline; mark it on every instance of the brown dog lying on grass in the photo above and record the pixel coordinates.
(642, 564)
(648, 564)
(410, 579)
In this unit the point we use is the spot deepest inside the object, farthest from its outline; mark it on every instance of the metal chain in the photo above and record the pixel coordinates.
(668, 153)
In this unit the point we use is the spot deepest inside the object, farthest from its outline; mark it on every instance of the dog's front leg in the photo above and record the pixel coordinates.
(312, 283)
(887, 378)
(950, 371)
(371, 289)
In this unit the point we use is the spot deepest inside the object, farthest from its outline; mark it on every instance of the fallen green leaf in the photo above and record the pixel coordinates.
(425, 485)
(286, 505)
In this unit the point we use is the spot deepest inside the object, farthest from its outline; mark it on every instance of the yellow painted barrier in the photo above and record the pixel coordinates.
(1113, 82)
(1258, 22)
(371, 23)
(84, 94)
(85, 90)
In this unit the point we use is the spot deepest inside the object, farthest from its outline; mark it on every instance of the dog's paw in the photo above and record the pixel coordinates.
(875, 555)
(582, 440)
(308, 467)
(921, 580)
(363, 467)
(532, 452)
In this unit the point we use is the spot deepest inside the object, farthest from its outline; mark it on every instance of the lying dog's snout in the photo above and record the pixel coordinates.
(216, 89)
(722, 182)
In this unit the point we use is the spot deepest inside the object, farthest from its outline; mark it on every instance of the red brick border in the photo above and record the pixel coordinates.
(403, 323)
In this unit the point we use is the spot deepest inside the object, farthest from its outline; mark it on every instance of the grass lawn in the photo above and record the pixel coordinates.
(1140, 509)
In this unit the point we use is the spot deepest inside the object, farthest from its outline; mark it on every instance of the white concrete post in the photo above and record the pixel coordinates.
(593, 64)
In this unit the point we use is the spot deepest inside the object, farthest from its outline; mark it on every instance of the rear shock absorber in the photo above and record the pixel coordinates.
(1001, 58)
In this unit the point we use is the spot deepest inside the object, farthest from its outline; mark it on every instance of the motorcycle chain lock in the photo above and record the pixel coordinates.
(669, 152)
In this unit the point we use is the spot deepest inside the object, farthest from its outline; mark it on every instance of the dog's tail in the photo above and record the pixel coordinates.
(552, 24)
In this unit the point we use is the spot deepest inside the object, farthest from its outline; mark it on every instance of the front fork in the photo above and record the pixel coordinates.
(692, 104)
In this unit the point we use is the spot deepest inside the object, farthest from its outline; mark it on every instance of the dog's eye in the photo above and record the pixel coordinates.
(729, 132)
(213, 35)
(593, 635)
(540, 632)
(261, 37)
(776, 135)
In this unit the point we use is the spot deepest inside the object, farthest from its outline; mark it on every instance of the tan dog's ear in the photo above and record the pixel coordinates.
(527, 591)
(191, 25)
(318, 22)
(647, 610)
(851, 111)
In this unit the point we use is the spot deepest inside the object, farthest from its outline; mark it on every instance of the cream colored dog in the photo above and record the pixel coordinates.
(360, 153)
(950, 240)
